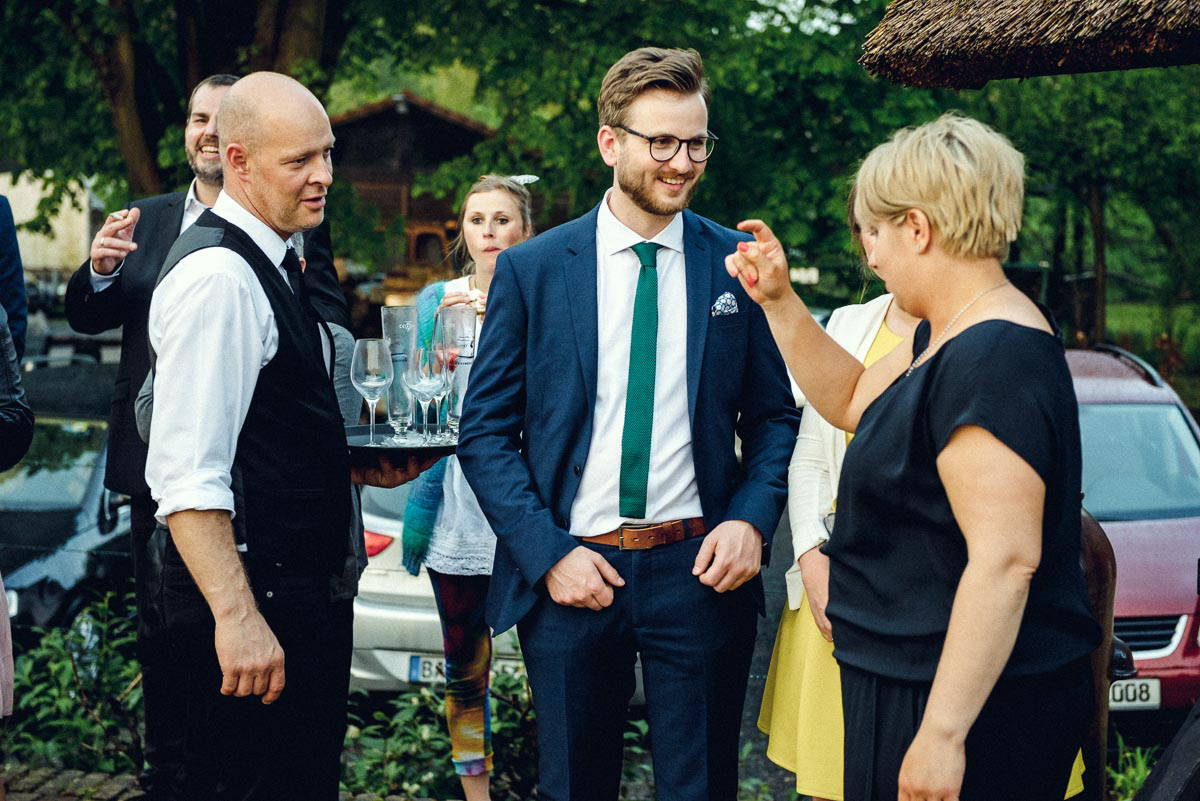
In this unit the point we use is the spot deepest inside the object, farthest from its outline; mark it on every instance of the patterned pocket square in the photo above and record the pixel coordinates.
(726, 304)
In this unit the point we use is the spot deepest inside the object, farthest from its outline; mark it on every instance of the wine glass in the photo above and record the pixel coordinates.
(459, 332)
(444, 357)
(371, 374)
(424, 380)
(400, 330)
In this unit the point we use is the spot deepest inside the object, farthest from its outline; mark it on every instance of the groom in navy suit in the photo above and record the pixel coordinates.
(618, 365)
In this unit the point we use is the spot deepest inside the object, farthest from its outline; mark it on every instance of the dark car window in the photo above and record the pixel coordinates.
(387, 503)
(55, 472)
(1140, 462)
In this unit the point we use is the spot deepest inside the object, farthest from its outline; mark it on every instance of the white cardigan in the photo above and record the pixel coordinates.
(817, 460)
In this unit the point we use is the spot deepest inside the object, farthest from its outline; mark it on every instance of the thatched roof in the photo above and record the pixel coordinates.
(963, 44)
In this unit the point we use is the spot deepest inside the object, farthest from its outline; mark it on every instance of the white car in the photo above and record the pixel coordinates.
(397, 634)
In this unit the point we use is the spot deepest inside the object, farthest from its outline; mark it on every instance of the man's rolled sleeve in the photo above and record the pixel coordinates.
(212, 334)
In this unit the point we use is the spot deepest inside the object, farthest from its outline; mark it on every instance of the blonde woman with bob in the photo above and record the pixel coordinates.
(958, 609)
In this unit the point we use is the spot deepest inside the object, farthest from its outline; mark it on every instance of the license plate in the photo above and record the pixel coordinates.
(426, 669)
(432, 669)
(1135, 694)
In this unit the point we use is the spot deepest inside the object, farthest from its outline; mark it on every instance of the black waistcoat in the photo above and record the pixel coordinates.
(291, 470)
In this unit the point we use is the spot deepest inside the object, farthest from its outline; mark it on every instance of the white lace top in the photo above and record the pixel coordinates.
(462, 542)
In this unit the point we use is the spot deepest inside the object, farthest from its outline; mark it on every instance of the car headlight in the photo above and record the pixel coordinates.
(11, 598)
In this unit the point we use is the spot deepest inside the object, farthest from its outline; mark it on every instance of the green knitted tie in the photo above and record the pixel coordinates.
(639, 393)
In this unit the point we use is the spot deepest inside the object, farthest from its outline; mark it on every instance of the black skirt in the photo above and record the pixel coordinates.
(1021, 748)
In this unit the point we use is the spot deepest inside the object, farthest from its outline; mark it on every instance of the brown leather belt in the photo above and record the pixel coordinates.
(639, 537)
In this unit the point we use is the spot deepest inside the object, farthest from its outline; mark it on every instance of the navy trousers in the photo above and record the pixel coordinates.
(695, 645)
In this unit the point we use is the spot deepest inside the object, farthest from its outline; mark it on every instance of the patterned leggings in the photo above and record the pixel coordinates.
(467, 642)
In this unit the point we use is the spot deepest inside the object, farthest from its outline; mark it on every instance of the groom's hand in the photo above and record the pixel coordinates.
(730, 556)
(583, 578)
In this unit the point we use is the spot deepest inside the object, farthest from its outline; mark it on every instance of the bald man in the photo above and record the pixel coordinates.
(248, 466)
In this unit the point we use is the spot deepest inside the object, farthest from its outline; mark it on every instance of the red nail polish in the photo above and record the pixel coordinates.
(743, 246)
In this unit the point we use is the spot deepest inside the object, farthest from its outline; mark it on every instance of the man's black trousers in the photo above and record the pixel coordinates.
(240, 748)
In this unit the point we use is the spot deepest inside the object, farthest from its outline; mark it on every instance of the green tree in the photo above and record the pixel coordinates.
(97, 91)
(1114, 156)
(793, 110)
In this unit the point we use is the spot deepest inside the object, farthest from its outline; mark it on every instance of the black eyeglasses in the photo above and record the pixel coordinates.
(664, 148)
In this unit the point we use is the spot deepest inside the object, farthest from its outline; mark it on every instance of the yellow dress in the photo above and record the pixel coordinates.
(801, 710)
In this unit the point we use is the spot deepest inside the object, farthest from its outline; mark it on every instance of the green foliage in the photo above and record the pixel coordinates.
(405, 747)
(357, 230)
(1129, 136)
(793, 109)
(1131, 770)
(78, 694)
(86, 88)
(751, 788)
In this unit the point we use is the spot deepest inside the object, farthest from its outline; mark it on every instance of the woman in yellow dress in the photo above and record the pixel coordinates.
(801, 709)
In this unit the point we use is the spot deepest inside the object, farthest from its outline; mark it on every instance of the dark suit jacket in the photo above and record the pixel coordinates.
(527, 420)
(12, 279)
(126, 304)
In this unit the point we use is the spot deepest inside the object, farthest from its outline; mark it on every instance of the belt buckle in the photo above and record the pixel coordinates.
(631, 527)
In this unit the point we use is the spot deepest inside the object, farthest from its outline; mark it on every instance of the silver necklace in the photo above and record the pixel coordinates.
(917, 361)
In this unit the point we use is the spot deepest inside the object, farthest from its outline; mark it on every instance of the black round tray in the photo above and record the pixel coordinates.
(362, 453)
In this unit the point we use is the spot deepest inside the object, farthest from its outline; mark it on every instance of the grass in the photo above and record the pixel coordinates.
(1133, 766)
(1135, 326)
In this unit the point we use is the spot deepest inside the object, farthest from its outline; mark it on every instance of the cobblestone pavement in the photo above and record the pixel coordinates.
(47, 784)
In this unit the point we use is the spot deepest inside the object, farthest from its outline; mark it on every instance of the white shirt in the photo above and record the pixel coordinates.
(192, 209)
(671, 489)
(213, 330)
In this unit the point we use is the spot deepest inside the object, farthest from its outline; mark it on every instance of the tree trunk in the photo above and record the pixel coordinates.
(301, 35)
(140, 162)
(1054, 279)
(1077, 236)
(116, 68)
(266, 35)
(1099, 265)
(187, 39)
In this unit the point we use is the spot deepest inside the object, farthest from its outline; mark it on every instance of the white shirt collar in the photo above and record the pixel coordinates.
(192, 203)
(613, 236)
(267, 240)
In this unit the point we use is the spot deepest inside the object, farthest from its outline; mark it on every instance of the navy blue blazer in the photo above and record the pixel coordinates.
(527, 416)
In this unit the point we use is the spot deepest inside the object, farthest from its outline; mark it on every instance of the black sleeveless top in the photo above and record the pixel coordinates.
(896, 551)
(291, 469)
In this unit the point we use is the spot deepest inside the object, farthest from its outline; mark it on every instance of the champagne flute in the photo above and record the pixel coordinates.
(399, 328)
(460, 330)
(424, 380)
(371, 374)
(444, 357)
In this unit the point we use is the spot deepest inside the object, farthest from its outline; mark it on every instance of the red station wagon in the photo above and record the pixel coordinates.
(1141, 480)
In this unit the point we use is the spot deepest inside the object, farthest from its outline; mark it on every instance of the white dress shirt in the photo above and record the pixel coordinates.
(213, 330)
(671, 489)
(192, 209)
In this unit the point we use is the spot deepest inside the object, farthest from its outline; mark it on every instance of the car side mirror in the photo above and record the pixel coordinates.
(1121, 665)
